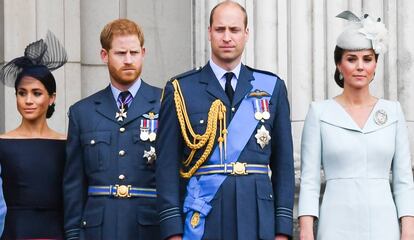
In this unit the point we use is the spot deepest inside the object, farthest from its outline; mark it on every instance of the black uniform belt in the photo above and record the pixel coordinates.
(236, 168)
(121, 191)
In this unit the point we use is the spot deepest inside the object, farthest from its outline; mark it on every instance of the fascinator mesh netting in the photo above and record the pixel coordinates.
(47, 52)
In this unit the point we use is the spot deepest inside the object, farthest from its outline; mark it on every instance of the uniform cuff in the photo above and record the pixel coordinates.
(284, 221)
(171, 222)
(72, 234)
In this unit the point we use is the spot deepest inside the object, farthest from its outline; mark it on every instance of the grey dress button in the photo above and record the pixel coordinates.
(84, 223)
(122, 129)
(121, 177)
(233, 109)
(121, 153)
(92, 141)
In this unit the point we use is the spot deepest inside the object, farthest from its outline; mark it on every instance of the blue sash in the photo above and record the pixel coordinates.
(201, 191)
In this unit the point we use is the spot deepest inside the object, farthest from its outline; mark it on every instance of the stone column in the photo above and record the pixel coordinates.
(265, 37)
(94, 16)
(72, 39)
(2, 116)
(168, 37)
(17, 34)
(405, 65)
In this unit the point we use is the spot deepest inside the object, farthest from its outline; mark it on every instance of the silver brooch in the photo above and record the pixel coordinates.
(262, 137)
(150, 155)
(380, 117)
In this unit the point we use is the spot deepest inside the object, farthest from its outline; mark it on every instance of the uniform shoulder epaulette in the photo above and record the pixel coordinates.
(185, 74)
(261, 71)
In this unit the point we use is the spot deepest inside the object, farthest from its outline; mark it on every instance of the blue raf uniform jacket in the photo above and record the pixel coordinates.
(247, 207)
(102, 151)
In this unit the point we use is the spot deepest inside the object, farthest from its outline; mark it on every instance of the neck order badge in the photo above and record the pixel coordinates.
(124, 99)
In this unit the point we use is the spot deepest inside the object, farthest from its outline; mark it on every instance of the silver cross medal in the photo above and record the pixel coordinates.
(121, 115)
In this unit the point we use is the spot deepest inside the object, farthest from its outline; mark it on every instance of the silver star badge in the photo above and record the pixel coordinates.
(150, 155)
(262, 136)
(121, 115)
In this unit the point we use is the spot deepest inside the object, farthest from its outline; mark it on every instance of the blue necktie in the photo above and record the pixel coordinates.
(124, 99)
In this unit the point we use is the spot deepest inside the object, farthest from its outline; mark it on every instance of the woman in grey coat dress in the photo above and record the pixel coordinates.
(358, 139)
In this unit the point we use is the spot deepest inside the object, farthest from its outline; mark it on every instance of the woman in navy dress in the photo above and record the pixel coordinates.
(32, 156)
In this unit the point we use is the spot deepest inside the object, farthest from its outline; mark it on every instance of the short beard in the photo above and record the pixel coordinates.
(116, 75)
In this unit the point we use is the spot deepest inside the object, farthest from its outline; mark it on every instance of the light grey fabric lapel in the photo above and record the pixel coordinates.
(336, 115)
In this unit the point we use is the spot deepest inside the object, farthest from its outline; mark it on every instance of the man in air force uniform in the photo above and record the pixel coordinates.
(109, 181)
(221, 128)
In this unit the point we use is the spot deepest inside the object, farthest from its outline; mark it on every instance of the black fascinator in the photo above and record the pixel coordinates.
(45, 54)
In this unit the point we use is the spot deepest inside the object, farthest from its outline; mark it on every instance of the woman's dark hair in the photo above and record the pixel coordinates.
(338, 57)
(43, 75)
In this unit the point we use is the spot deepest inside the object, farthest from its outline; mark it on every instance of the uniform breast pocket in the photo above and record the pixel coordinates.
(96, 150)
(143, 152)
(198, 122)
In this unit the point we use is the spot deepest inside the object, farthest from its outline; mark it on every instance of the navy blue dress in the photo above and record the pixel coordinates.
(32, 171)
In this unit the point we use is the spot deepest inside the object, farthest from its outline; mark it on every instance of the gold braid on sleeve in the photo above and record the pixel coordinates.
(216, 118)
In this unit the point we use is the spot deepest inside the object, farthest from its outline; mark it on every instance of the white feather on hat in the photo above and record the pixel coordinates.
(362, 33)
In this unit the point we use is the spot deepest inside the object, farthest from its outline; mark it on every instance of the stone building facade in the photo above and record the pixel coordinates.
(293, 38)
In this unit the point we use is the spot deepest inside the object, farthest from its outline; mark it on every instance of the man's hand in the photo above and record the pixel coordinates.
(175, 237)
(281, 237)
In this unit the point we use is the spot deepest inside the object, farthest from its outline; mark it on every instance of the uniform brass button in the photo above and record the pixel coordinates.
(122, 129)
(92, 142)
(233, 109)
(121, 177)
(201, 121)
(84, 223)
(271, 196)
(121, 153)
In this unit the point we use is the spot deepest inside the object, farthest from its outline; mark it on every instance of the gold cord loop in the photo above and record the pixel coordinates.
(216, 117)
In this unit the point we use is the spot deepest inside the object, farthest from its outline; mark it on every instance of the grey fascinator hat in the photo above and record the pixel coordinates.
(362, 33)
(40, 58)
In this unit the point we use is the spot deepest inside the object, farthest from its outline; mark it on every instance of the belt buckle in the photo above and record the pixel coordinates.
(122, 191)
(239, 168)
